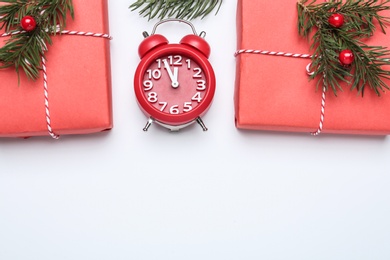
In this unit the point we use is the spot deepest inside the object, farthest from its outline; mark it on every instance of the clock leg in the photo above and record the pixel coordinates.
(148, 124)
(200, 122)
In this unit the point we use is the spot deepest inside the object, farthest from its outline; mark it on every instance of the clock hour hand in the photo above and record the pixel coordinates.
(173, 76)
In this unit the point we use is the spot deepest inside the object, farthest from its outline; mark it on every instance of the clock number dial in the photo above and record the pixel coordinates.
(163, 105)
(201, 85)
(152, 97)
(187, 106)
(198, 73)
(148, 85)
(154, 74)
(174, 110)
(174, 84)
(197, 97)
(175, 60)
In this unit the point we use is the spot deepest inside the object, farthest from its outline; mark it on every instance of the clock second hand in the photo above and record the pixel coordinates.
(172, 76)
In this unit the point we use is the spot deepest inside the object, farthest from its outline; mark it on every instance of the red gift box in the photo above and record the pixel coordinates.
(274, 92)
(78, 78)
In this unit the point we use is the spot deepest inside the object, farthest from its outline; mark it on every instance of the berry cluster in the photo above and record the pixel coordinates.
(346, 57)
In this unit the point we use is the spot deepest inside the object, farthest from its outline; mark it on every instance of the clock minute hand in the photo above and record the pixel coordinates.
(172, 76)
(175, 76)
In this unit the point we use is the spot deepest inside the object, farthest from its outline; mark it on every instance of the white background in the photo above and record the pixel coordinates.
(221, 194)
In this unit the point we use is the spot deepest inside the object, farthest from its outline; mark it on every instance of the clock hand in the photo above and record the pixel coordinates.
(176, 77)
(173, 77)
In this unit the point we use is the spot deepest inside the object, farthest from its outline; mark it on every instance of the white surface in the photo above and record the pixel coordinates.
(223, 194)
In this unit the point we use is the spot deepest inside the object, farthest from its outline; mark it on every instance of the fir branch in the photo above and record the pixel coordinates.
(181, 9)
(26, 49)
(328, 41)
(55, 12)
(23, 51)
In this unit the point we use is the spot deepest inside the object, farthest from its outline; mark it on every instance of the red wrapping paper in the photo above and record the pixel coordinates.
(274, 93)
(79, 83)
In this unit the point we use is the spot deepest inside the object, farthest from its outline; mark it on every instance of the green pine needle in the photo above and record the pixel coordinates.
(25, 50)
(327, 42)
(180, 9)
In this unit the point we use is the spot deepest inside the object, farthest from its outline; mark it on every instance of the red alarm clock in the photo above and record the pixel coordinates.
(174, 83)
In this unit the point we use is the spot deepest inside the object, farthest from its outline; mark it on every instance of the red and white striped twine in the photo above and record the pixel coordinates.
(44, 70)
(322, 117)
(284, 54)
(11, 33)
(67, 32)
(293, 55)
(91, 34)
(46, 92)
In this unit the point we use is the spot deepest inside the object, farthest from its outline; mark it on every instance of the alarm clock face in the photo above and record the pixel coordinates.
(175, 86)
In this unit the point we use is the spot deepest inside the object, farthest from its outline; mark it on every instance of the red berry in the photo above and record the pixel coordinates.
(346, 57)
(28, 23)
(336, 20)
